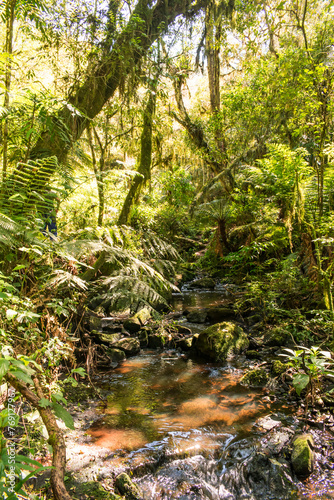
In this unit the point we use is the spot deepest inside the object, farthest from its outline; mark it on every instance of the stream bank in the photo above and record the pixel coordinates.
(184, 428)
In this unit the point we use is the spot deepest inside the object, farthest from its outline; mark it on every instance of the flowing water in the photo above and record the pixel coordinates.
(189, 430)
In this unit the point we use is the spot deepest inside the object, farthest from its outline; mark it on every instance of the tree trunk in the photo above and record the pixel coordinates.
(56, 438)
(10, 7)
(144, 168)
(146, 24)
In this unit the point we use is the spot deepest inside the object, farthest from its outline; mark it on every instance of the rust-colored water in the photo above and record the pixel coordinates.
(163, 397)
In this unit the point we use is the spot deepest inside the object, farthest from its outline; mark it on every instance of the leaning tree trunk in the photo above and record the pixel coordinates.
(144, 169)
(145, 26)
(56, 438)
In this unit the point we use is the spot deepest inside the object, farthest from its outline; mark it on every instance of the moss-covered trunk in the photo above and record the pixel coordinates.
(144, 167)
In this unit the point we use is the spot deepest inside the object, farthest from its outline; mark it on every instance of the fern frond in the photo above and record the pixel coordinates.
(61, 278)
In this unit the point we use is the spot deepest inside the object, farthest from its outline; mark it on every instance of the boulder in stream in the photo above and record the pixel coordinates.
(203, 283)
(116, 355)
(129, 345)
(302, 456)
(127, 488)
(221, 340)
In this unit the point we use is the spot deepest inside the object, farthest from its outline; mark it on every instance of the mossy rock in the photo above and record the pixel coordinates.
(203, 283)
(302, 456)
(116, 355)
(275, 337)
(220, 341)
(255, 378)
(91, 490)
(278, 367)
(127, 488)
(144, 315)
(129, 345)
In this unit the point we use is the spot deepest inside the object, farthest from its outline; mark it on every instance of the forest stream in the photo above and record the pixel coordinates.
(188, 429)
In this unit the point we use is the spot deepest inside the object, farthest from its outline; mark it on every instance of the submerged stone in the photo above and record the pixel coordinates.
(221, 340)
(302, 456)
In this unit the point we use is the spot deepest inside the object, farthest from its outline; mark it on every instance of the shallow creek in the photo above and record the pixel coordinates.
(187, 429)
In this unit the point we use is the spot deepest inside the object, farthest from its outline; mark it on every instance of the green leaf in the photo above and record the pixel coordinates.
(20, 266)
(64, 415)
(21, 376)
(43, 403)
(4, 295)
(4, 365)
(300, 381)
(80, 370)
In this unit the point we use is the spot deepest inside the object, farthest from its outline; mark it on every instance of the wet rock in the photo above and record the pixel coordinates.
(116, 355)
(221, 340)
(144, 315)
(109, 325)
(157, 340)
(129, 345)
(269, 422)
(95, 323)
(132, 325)
(269, 478)
(220, 314)
(203, 283)
(278, 440)
(108, 338)
(199, 316)
(302, 456)
(255, 378)
(127, 488)
(190, 478)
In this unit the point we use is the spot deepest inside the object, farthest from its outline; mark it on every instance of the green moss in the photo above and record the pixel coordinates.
(127, 487)
(221, 340)
(90, 491)
(278, 367)
(255, 378)
(302, 456)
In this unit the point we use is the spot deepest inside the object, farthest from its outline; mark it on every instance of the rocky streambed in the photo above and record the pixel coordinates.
(194, 406)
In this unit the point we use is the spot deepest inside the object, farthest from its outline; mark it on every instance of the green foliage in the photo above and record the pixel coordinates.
(312, 364)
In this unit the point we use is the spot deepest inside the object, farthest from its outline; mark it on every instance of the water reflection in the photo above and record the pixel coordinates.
(185, 405)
